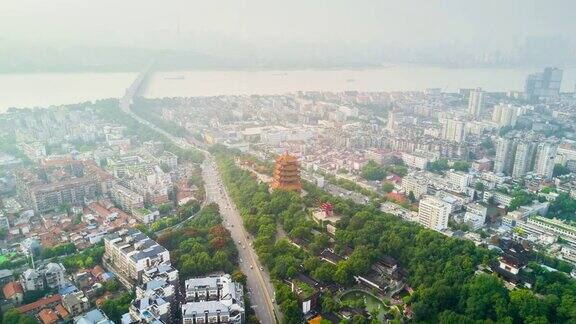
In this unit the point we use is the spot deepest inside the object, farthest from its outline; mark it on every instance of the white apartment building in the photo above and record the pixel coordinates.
(156, 298)
(31, 280)
(417, 186)
(523, 159)
(433, 213)
(215, 299)
(506, 114)
(453, 130)
(475, 215)
(416, 161)
(539, 225)
(458, 180)
(499, 198)
(476, 102)
(545, 159)
(504, 154)
(129, 253)
(55, 275)
(125, 198)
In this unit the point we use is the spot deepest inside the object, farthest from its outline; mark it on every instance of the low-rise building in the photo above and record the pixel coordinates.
(13, 292)
(76, 303)
(31, 280)
(475, 215)
(215, 299)
(55, 275)
(48, 316)
(35, 307)
(94, 316)
(540, 225)
(417, 161)
(6, 276)
(498, 197)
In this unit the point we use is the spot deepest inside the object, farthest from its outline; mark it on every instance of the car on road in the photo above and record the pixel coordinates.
(251, 267)
(261, 269)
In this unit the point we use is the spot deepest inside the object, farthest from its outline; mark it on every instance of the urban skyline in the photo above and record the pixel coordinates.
(449, 197)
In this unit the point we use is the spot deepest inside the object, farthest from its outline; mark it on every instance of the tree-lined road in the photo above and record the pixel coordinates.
(261, 291)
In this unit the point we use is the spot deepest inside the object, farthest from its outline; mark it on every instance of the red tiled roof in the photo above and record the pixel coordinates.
(12, 288)
(396, 197)
(97, 271)
(39, 303)
(48, 316)
(63, 312)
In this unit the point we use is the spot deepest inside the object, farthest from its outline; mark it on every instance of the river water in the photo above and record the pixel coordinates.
(45, 89)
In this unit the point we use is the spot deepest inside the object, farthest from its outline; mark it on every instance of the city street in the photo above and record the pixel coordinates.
(262, 299)
(260, 288)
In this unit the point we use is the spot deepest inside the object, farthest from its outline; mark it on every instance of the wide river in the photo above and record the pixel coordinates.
(44, 89)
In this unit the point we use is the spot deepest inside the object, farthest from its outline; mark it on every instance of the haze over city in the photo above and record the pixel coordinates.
(300, 33)
(287, 162)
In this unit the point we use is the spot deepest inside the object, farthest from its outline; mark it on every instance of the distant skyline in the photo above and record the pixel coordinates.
(449, 31)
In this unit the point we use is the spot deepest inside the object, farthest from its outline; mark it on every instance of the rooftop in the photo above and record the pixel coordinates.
(40, 303)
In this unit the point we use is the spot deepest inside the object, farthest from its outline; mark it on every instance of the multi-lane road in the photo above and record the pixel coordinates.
(260, 289)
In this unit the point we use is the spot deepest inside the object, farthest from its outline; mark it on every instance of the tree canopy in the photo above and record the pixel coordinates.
(373, 171)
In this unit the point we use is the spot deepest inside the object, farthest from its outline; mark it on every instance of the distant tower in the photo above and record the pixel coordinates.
(476, 102)
(391, 121)
(287, 173)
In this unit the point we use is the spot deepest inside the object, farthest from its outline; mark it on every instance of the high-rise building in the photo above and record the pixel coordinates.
(286, 173)
(453, 130)
(433, 213)
(506, 114)
(391, 122)
(505, 149)
(545, 159)
(543, 84)
(523, 158)
(476, 102)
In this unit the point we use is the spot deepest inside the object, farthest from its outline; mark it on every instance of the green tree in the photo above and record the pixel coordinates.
(115, 308)
(560, 170)
(164, 209)
(461, 166)
(373, 171)
(486, 298)
(526, 305)
(411, 196)
(438, 166)
(479, 186)
(12, 316)
(387, 187)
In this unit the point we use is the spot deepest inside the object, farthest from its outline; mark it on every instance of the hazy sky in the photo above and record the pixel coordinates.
(214, 25)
